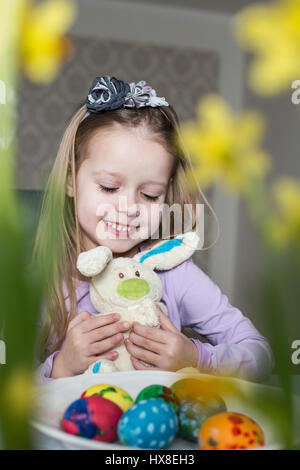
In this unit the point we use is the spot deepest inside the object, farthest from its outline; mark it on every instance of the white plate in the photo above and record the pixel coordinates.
(54, 398)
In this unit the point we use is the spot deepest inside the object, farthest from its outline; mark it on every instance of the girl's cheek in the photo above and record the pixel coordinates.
(154, 218)
(88, 202)
(106, 206)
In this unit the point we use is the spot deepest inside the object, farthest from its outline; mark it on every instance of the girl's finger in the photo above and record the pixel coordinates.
(100, 347)
(140, 366)
(155, 334)
(80, 317)
(110, 356)
(166, 324)
(146, 343)
(98, 321)
(106, 331)
(142, 354)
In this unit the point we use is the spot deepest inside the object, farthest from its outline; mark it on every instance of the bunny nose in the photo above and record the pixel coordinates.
(133, 289)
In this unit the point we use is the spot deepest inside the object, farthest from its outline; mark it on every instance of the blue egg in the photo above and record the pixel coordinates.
(149, 424)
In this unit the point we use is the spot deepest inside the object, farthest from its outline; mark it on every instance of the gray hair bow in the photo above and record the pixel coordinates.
(108, 93)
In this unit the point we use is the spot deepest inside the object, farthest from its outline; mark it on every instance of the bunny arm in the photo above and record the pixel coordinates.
(169, 253)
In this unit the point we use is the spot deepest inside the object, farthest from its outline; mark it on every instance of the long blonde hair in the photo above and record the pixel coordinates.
(58, 231)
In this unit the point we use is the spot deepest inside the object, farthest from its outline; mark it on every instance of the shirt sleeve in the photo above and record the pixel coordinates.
(43, 370)
(234, 347)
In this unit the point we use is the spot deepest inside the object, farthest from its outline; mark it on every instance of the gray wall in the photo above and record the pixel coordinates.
(282, 142)
(201, 59)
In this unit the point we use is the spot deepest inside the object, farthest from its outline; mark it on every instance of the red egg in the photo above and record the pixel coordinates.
(93, 417)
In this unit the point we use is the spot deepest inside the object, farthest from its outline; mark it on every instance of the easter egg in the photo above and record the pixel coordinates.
(230, 430)
(110, 392)
(192, 414)
(193, 389)
(148, 424)
(160, 392)
(93, 417)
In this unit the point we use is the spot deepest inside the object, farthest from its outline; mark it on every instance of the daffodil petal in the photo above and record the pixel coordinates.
(53, 16)
(272, 32)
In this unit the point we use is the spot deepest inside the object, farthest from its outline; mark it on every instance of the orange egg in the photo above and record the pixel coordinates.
(229, 430)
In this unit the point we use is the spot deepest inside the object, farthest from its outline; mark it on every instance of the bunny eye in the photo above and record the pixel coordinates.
(137, 273)
(121, 275)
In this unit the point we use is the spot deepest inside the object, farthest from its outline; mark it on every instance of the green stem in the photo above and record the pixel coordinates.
(19, 294)
(273, 296)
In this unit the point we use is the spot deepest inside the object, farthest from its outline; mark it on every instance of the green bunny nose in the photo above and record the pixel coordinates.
(133, 289)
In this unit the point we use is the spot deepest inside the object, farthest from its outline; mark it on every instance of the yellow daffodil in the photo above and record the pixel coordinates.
(18, 392)
(272, 33)
(224, 146)
(43, 45)
(285, 226)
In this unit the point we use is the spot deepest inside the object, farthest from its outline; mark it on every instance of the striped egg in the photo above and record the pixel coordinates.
(149, 424)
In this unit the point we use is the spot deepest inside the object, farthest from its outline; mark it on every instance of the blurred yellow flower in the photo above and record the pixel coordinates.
(272, 33)
(224, 146)
(285, 226)
(18, 393)
(43, 45)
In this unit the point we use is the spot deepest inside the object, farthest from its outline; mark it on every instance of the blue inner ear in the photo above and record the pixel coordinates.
(167, 246)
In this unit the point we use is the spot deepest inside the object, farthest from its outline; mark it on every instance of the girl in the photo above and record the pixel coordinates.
(118, 155)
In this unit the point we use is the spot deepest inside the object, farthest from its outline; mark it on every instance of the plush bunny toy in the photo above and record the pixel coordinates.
(130, 287)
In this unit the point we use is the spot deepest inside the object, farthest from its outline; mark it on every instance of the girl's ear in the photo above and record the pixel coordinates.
(169, 253)
(69, 184)
(93, 262)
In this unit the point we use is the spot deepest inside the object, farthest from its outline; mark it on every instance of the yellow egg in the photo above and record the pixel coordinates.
(110, 392)
(191, 388)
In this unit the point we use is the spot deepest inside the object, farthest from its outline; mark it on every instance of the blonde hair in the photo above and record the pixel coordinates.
(58, 231)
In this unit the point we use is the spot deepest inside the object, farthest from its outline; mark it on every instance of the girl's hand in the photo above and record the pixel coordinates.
(163, 349)
(88, 339)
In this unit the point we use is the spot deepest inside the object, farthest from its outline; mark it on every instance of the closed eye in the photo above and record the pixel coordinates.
(110, 190)
(152, 198)
(105, 188)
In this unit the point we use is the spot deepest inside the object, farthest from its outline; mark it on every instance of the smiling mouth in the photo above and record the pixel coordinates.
(120, 228)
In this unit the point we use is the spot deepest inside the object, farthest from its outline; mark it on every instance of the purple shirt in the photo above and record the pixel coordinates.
(234, 347)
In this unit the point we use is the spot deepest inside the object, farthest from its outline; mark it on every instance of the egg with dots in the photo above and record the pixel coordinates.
(192, 414)
(93, 417)
(110, 392)
(160, 392)
(230, 430)
(148, 424)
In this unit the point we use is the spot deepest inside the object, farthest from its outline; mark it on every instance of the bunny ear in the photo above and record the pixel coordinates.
(92, 262)
(168, 254)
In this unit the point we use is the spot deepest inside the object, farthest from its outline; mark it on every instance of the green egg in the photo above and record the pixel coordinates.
(160, 392)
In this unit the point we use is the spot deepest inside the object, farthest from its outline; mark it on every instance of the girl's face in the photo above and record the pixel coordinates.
(124, 182)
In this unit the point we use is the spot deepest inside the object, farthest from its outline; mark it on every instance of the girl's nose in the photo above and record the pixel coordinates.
(129, 206)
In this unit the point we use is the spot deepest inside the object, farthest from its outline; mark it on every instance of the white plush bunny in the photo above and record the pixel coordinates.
(130, 287)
